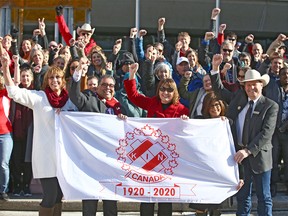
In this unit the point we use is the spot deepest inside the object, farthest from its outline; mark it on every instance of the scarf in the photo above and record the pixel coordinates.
(56, 101)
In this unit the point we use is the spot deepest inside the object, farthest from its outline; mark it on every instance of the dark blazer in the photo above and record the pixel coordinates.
(85, 101)
(263, 124)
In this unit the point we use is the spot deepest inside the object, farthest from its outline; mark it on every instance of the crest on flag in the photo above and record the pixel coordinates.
(147, 155)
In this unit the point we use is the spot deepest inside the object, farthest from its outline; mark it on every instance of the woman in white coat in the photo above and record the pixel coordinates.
(44, 104)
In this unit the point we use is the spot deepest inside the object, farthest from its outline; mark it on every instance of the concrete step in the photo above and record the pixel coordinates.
(32, 204)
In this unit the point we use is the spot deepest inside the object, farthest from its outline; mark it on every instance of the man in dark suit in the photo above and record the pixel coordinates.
(102, 101)
(252, 128)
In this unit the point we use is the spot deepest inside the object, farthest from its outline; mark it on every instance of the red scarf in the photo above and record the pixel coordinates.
(56, 101)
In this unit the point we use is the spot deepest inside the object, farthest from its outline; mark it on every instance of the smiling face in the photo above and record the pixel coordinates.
(166, 94)
(215, 109)
(54, 78)
(253, 89)
(257, 51)
(207, 85)
(276, 65)
(96, 59)
(192, 57)
(105, 88)
(26, 46)
(6, 42)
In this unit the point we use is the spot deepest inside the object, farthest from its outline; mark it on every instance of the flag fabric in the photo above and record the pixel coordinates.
(145, 159)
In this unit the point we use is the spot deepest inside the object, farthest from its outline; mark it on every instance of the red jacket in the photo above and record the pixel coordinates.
(5, 124)
(153, 105)
(65, 32)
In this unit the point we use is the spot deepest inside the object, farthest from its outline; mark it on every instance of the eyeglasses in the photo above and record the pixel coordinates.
(53, 77)
(163, 89)
(227, 50)
(231, 39)
(107, 84)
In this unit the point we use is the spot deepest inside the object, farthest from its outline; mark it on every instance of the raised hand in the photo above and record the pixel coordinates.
(222, 28)
(188, 74)
(15, 59)
(281, 37)
(117, 46)
(161, 23)
(5, 60)
(14, 33)
(178, 46)
(133, 32)
(133, 68)
(142, 32)
(216, 61)
(59, 10)
(215, 12)
(209, 36)
(41, 24)
(109, 66)
(249, 38)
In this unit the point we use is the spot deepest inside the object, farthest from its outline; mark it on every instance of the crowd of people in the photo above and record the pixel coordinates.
(218, 79)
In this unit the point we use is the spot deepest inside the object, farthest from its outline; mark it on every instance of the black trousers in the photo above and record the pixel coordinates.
(89, 207)
(52, 193)
(164, 209)
(19, 166)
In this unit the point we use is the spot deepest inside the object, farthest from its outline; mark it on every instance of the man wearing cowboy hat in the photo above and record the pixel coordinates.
(85, 32)
(254, 119)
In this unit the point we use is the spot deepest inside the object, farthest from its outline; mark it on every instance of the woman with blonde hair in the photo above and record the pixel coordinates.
(98, 64)
(45, 104)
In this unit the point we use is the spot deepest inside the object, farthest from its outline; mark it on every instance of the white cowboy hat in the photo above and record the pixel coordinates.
(252, 75)
(85, 28)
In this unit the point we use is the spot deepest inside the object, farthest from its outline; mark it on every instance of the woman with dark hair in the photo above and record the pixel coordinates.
(22, 122)
(165, 104)
(195, 66)
(213, 107)
(45, 104)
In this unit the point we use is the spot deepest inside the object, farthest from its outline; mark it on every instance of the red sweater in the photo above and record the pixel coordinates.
(5, 124)
(153, 105)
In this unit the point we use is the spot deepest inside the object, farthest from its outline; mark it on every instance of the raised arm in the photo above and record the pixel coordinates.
(63, 28)
(5, 61)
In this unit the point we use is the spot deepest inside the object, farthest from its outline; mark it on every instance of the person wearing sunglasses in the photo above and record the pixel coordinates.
(165, 104)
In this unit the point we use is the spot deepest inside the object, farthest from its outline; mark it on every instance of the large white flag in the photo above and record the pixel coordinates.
(145, 159)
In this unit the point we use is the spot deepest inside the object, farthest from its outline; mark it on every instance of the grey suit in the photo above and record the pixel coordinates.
(193, 97)
(258, 165)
